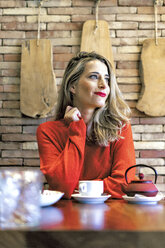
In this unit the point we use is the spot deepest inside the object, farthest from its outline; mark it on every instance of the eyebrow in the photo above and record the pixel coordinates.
(107, 75)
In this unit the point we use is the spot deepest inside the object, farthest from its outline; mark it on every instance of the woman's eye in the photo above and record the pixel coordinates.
(93, 76)
(107, 80)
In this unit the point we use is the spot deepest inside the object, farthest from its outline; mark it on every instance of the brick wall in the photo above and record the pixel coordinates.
(130, 22)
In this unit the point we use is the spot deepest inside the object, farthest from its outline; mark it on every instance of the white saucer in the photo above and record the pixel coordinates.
(141, 199)
(90, 199)
(49, 197)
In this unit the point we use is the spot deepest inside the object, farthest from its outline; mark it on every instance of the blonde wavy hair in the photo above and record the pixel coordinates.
(108, 121)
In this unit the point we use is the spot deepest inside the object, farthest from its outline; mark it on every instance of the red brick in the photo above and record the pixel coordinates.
(10, 161)
(22, 121)
(137, 113)
(20, 26)
(9, 145)
(1, 88)
(9, 26)
(29, 129)
(12, 4)
(130, 88)
(146, 10)
(134, 121)
(82, 3)
(62, 57)
(137, 154)
(153, 120)
(12, 34)
(65, 26)
(92, 4)
(12, 57)
(12, 19)
(61, 49)
(19, 154)
(131, 104)
(10, 129)
(69, 11)
(82, 18)
(150, 10)
(128, 65)
(18, 137)
(10, 113)
(32, 162)
(128, 73)
(11, 88)
(152, 154)
(9, 96)
(59, 73)
(47, 34)
(60, 64)
(136, 2)
(11, 104)
(11, 73)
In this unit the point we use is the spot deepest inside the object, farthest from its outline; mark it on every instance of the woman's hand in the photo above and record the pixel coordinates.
(72, 114)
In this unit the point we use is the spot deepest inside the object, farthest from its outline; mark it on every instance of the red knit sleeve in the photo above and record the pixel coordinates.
(60, 161)
(123, 156)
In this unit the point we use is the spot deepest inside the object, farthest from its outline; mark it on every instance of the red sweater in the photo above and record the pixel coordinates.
(66, 157)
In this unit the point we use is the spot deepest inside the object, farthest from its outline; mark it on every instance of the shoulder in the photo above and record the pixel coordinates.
(47, 124)
(52, 126)
(126, 128)
(125, 133)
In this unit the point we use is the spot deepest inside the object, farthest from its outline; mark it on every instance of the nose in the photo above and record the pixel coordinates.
(102, 83)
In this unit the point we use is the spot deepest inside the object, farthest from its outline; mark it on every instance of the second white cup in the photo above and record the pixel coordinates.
(91, 188)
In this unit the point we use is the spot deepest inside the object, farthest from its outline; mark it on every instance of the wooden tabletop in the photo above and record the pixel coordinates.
(112, 215)
(71, 224)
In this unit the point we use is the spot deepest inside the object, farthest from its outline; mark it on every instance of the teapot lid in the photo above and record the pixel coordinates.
(141, 175)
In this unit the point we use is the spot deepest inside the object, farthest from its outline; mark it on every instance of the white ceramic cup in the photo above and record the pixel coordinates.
(91, 188)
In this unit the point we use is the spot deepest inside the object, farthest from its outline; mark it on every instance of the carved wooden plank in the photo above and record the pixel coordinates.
(38, 93)
(97, 40)
(152, 97)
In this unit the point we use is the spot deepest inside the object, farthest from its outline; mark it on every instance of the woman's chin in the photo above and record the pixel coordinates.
(101, 105)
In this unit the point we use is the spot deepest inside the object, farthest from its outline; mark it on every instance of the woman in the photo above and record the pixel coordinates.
(91, 138)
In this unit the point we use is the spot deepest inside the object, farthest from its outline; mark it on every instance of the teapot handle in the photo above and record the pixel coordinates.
(141, 165)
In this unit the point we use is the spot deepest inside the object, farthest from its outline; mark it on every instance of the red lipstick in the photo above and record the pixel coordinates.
(100, 94)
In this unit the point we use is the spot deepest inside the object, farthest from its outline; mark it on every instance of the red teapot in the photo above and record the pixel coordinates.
(142, 187)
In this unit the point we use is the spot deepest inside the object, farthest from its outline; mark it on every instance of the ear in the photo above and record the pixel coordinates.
(73, 89)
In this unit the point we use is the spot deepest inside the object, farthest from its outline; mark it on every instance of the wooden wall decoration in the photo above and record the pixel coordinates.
(98, 42)
(152, 97)
(96, 37)
(152, 72)
(38, 93)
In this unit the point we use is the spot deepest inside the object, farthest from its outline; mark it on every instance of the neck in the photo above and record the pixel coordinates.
(86, 114)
